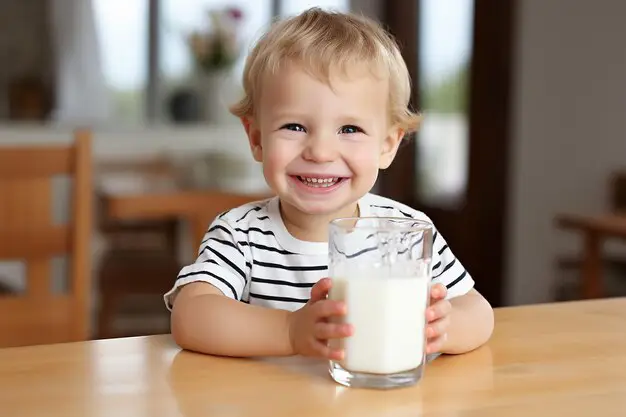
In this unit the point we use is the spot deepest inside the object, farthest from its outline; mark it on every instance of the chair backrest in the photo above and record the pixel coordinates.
(28, 234)
(216, 203)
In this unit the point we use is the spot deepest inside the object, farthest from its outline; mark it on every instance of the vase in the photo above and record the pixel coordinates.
(215, 91)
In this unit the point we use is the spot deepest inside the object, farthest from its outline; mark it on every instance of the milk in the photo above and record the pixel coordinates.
(388, 315)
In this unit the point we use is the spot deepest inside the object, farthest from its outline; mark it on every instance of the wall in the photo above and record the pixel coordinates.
(569, 130)
(24, 44)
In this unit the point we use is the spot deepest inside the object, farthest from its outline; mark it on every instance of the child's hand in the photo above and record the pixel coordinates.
(438, 317)
(310, 327)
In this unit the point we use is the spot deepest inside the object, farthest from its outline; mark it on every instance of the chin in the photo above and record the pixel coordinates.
(321, 208)
(317, 209)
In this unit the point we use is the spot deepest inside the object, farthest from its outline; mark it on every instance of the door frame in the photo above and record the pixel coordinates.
(477, 230)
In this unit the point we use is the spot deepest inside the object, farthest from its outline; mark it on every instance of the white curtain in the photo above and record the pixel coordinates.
(81, 91)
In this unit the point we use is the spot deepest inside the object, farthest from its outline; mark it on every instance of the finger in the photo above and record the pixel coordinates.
(438, 310)
(320, 290)
(437, 328)
(436, 345)
(438, 292)
(327, 331)
(325, 351)
(328, 308)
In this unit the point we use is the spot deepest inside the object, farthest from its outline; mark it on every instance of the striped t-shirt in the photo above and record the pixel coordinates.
(248, 254)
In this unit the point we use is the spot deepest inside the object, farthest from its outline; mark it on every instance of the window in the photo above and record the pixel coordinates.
(178, 17)
(445, 43)
(292, 7)
(123, 29)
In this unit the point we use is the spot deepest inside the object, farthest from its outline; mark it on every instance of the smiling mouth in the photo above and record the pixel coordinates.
(314, 182)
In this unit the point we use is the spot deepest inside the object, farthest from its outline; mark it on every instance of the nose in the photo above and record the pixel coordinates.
(320, 149)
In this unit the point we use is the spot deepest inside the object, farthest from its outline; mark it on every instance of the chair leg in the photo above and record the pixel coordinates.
(106, 316)
(592, 273)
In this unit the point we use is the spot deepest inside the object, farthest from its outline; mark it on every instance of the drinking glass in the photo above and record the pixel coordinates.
(381, 269)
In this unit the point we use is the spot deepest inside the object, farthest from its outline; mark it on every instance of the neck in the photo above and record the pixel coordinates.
(312, 227)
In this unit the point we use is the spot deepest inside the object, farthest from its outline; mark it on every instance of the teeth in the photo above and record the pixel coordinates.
(319, 182)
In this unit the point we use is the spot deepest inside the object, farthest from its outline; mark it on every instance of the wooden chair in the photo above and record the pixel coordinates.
(27, 233)
(200, 218)
(151, 272)
(141, 259)
(611, 261)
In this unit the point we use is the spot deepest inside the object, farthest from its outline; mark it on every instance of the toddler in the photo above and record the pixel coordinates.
(325, 108)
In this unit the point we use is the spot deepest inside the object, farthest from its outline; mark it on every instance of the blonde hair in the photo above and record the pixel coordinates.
(320, 41)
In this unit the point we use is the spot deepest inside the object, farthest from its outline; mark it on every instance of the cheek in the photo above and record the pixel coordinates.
(364, 157)
(277, 156)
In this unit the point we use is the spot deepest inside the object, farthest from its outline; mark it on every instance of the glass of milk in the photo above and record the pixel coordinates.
(381, 269)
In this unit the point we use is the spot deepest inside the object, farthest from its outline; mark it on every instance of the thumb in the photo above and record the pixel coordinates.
(320, 290)
(438, 292)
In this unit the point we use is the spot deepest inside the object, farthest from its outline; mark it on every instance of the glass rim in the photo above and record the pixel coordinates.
(411, 224)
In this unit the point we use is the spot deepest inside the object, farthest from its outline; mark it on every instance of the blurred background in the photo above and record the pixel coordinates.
(119, 148)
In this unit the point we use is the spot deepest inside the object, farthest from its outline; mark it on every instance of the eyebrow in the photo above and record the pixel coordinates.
(343, 119)
(352, 119)
(288, 114)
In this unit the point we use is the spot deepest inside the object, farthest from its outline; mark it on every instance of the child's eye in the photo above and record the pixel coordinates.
(294, 126)
(350, 129)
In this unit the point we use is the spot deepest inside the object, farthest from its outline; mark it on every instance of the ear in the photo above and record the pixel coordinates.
(254, 137)
(390, 146)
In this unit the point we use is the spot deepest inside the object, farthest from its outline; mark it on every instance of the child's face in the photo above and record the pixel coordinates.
(322, 146)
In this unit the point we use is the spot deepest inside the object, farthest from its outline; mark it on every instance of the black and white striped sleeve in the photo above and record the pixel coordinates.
(221, 262)
(448, 270)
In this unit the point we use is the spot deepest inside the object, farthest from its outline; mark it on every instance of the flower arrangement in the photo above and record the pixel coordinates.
(217, 47)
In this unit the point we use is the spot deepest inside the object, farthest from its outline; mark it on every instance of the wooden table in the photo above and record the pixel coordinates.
(595, 230)
(142, 197)
(554, 360)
